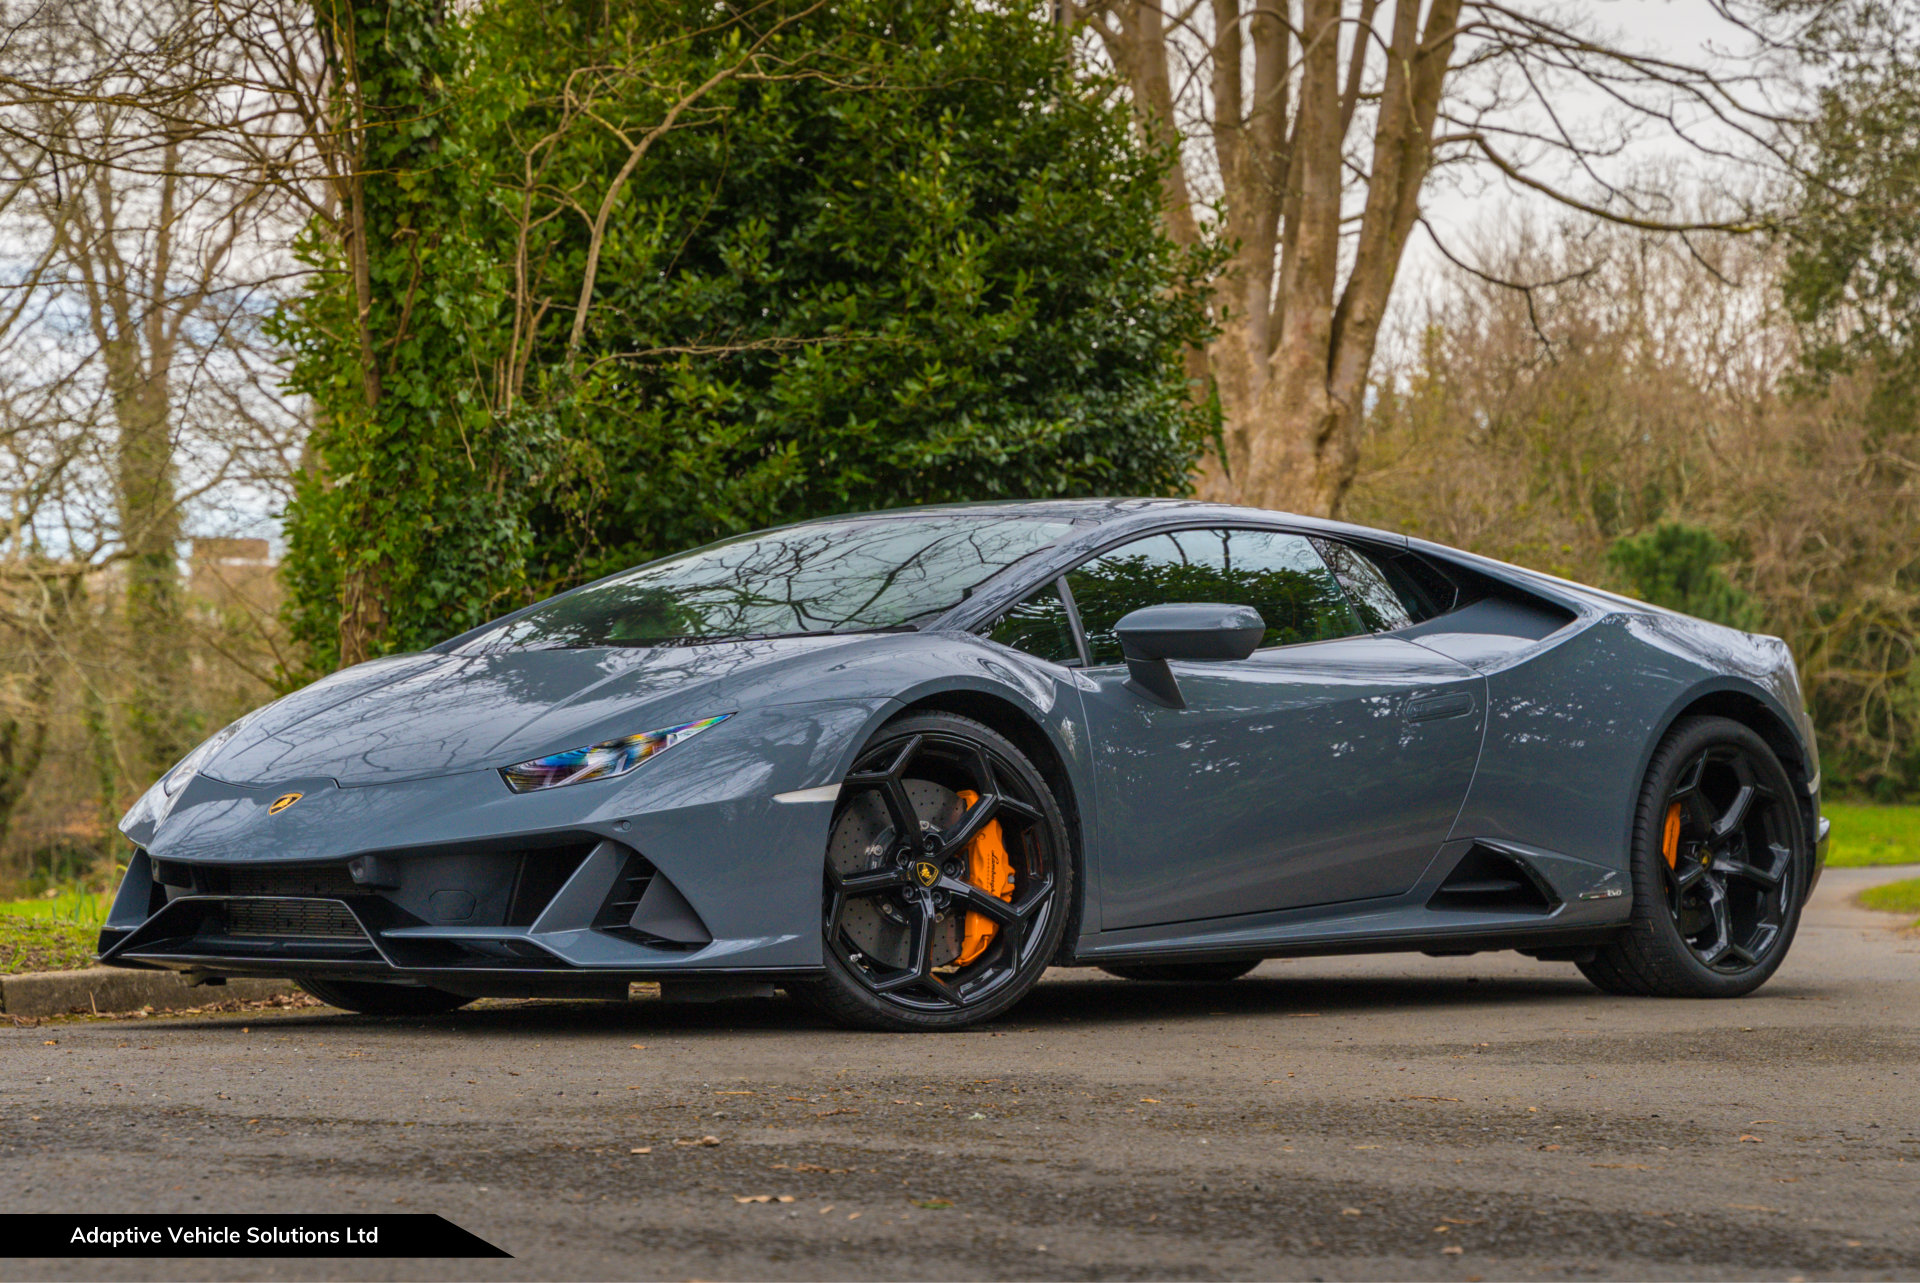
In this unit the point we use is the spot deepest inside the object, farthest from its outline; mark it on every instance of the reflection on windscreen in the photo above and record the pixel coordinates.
(838, 576)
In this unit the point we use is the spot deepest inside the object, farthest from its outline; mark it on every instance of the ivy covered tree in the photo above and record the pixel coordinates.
(691, 277)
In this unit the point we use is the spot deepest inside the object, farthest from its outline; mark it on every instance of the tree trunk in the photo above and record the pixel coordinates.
(1295, 346)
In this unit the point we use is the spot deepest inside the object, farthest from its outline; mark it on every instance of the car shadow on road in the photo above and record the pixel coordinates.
(1067, 999)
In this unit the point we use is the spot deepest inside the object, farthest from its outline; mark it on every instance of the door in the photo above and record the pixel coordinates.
(1328, 766)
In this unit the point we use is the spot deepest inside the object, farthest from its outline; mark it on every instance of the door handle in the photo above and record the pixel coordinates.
(1428, 706)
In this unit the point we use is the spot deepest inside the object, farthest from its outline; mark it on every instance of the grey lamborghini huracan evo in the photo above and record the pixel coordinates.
(900, 763)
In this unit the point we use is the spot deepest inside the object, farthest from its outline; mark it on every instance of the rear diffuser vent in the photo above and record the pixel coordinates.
(1490, 881)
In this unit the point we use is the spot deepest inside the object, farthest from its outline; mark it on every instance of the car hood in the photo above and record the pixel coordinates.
(417, 716)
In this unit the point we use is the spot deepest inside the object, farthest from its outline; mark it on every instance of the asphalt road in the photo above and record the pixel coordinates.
(1384, 1117)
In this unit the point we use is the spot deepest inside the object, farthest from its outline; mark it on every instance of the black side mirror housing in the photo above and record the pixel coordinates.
(1152, 635)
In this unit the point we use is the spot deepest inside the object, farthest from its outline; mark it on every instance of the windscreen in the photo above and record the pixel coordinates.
(855, 575)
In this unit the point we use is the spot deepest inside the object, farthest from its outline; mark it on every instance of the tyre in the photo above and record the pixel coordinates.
(1720, 863)
(378, 998)
(1185, 972)
(948, 880)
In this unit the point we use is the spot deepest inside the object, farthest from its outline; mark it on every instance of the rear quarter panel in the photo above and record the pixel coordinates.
(1574, 718)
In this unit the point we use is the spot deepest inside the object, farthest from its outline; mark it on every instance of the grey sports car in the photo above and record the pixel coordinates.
(900, 763)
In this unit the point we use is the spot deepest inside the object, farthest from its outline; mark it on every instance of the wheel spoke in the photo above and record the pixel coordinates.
(1722, 925)
(919, 947)
(978, 901)
(1747, 871)
(906, 821)
(872, 882)
(972, 820)
(1736, 813)
(1687, 872)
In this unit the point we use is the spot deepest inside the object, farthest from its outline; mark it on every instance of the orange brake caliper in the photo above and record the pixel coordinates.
(1670, 837)
(990, 869)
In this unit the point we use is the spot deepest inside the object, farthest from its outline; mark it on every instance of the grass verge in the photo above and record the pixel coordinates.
(45, 944)
(1894, 897)
(1868, 835)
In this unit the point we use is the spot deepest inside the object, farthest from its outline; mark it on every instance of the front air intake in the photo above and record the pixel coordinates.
(1491, 881)
(298, 919)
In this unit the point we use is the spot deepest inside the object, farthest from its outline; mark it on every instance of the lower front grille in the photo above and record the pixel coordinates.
(307, 919)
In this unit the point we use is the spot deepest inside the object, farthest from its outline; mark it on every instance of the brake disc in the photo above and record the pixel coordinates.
(862, 838)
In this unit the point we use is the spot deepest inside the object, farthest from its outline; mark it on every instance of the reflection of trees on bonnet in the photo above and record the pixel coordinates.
(1279, 575)
(835, 576)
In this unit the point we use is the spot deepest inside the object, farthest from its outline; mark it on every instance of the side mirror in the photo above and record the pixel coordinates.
(1152, 635)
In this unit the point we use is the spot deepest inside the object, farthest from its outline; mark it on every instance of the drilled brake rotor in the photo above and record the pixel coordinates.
(863, 839)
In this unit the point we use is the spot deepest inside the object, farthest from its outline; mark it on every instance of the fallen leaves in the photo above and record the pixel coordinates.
(932, 1204)
(641, 1149)
(1750, 1138)
(702, 1142)
(1150, 1100)
(763, 1198)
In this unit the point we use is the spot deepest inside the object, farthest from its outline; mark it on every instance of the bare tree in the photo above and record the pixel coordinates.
(139, 392)
(1316, 127)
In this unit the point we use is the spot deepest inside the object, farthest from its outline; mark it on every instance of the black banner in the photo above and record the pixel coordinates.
(164, 1234)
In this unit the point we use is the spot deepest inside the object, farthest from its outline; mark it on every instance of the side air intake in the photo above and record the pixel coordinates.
(1490, 881)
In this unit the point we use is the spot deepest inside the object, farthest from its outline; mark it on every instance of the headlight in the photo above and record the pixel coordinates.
(602, 761)
(157, 802)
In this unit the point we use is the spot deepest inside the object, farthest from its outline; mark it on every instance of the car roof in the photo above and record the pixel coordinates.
(1103, 515)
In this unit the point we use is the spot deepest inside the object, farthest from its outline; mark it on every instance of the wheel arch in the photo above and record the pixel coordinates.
(1740, 703)
(1029, 736)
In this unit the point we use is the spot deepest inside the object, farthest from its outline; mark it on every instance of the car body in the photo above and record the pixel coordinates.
(1461, 781)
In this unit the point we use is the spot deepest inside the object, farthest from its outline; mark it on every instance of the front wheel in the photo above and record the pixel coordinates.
(948, 879)
(1720, 863)
(376, 998)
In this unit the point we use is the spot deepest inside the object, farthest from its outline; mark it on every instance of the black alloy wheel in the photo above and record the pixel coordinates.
(1720, 866)
(912, 941)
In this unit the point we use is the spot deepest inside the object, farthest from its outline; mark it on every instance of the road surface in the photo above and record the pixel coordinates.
(1381, 1117)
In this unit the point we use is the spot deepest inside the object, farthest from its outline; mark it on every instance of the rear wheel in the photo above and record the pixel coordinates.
(1719, 862)
(948, 879)
(377, 998)
(1185, 972)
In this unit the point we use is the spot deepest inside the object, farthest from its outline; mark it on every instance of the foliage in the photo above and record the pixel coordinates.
(413, 510)
(1866, 835)
(1853, 267)
(1678, 566)
(909, 259)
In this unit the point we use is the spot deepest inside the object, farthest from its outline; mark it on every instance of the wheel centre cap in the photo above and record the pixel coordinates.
(926, 872)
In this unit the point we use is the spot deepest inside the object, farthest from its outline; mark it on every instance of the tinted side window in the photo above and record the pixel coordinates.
(1391, 590)
(1039, 626)
(1380, 608)
(1280, 575)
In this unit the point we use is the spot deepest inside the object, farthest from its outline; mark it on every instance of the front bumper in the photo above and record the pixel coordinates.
(706, 862)
(566, 920)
